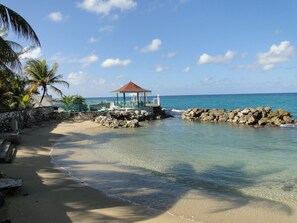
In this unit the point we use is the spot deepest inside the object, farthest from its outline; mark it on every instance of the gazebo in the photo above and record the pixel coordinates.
(132, 88)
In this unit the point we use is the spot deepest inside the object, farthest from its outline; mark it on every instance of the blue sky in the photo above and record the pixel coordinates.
(173, 47)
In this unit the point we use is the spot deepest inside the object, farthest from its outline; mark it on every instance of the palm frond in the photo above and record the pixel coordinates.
(64, 83)
(12, 20)
(58, 91)
(8, 56)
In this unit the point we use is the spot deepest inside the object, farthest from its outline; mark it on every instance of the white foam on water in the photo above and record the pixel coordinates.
(177, 110)
(289, 126)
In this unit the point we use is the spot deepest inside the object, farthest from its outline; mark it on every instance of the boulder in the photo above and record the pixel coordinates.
(272, 114)
(251, 121)
(267, 109)
(245, 111)
(263, 121)
(287, 119)
(231, 115)
(277, 121)
(281, 113)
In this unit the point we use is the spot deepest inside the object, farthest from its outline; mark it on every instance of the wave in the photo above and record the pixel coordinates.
(177, 111)
(289, 126)
(174, 112)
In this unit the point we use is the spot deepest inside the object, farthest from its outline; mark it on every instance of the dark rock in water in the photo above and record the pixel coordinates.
(288, 187)
(247, 116)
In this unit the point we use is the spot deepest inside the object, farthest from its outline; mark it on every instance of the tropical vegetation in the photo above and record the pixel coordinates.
(41, 75)
(13, 86)
(73, 102)
(12, 21)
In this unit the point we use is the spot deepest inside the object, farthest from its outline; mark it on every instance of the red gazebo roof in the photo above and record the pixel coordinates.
(131, 88)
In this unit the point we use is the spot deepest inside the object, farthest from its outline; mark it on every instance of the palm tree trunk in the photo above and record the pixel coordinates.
(42, 95)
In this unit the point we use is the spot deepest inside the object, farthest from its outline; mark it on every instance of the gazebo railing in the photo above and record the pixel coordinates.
(129, 104)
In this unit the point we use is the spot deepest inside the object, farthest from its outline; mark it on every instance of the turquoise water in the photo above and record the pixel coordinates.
(165, 160)
(286, 101)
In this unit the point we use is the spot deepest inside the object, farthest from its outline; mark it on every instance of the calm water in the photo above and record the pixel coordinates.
(158, 164)
(285, 101)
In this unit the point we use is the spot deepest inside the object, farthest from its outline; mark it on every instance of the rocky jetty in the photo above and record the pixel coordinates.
(248, 116)
(124, 119)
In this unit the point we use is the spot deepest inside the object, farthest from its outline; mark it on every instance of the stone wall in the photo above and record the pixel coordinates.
(25, 118)
(248, 116)
(76, 116)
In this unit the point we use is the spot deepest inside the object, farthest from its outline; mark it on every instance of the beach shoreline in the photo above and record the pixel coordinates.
(50, 195)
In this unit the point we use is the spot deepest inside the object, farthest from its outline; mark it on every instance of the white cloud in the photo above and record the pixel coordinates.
(77, 78)
(105, 6)
(205, 58)
(110, 62)
(115, 17)
(180, 3)
(99, 83)
(153, 46)
(55, 16)
(120, 76)
(186, 70)
(59, 58)
(160, 68)
(276, 54)
(31, 54)
(106, 29)
(171, 54)
(88, 60)
(93, 39)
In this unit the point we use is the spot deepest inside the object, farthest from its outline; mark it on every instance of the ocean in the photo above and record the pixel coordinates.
(172, 164)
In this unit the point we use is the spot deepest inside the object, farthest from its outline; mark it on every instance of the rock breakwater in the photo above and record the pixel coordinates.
(248, 116)
(124, 119)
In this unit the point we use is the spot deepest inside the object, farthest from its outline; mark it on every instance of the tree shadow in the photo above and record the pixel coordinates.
(226, 183)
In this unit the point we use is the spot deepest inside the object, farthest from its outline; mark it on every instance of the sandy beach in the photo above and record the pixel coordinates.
(49, 195)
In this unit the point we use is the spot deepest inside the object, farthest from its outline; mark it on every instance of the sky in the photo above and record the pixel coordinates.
(172, 47)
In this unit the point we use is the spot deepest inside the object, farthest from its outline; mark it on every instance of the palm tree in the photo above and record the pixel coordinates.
(10, 20)
(67, 100)
(79, 101)
(41, 75)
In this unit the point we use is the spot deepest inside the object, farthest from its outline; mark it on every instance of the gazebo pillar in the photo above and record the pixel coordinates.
(144, 98)
(124, 96)
(138, 99)
(117, 99)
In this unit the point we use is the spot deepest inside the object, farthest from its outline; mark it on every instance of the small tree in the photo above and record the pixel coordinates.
(79, 101)
(67, 100)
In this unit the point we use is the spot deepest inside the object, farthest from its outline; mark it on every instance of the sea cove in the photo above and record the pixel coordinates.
(172, 165)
